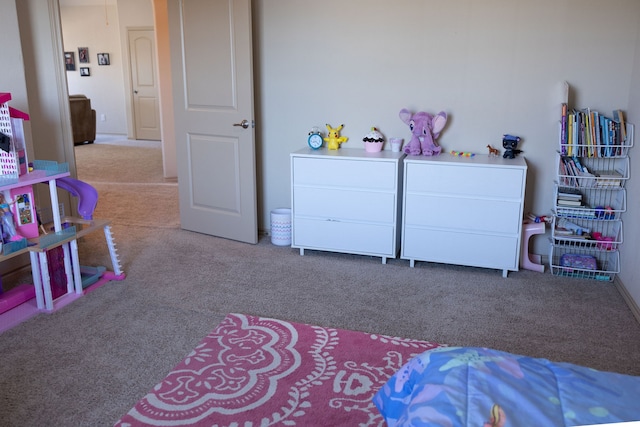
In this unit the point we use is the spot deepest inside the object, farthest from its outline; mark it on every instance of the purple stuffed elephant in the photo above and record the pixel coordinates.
(425, 129)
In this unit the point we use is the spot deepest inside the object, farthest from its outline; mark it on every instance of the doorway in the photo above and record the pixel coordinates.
(110, 85)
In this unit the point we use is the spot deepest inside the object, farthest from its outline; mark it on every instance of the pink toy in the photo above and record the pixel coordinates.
(528, 260)
(425, 129)
(16, 296)
(9, 233)
(24, 211)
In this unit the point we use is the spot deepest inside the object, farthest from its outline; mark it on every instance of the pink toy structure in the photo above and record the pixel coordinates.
(527, 260)
(13, 160)
(16, 296)
(17, 304)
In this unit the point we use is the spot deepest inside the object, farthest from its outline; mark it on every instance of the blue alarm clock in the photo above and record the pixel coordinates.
(315, 139)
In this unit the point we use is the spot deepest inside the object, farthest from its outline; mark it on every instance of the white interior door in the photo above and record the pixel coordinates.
(211, 66)
(144, 83)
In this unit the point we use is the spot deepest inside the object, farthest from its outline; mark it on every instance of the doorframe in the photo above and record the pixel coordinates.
(165, 93)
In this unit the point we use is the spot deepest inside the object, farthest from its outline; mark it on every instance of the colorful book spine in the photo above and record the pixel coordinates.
(563, 129)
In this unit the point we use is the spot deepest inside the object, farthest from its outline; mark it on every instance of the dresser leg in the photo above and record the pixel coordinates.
(412, 263)
(301, 251)
(384, 259)
(505, 272)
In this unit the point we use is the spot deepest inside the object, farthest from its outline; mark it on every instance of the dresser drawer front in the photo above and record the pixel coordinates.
(343, 236)
(476, 250)
(344, 204)
(492, 182)
(375, 175)
(496, 216)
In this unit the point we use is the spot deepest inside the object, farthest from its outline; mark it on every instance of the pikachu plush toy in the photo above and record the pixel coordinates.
(334, 139)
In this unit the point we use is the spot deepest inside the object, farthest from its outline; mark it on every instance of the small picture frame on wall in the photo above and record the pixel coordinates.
(103, 59)
(83, 55)
(84, 71)
(70, 61)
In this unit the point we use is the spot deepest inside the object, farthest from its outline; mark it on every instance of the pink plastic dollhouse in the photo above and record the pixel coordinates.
(16, 181)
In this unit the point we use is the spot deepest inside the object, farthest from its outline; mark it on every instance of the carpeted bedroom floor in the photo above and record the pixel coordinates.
(89, 363)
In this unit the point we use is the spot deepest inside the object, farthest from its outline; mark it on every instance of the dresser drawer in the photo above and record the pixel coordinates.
(491, 182)
(344, 236)
(478, 250)
(461, 213)
(333, 203)
(374, 175)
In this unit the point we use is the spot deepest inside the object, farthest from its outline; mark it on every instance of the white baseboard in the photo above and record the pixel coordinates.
(627, 298)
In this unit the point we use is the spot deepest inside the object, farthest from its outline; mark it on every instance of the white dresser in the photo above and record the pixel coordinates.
(346, 200)
(463, 210)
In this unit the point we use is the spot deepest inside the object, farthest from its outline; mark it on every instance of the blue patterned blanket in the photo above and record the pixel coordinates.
(464, 386)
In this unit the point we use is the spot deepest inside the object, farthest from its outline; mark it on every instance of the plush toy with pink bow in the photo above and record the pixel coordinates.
(425, 129)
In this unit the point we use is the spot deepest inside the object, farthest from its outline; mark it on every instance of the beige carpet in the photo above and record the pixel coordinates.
(119, 163)
(131, 188)
(153, 205)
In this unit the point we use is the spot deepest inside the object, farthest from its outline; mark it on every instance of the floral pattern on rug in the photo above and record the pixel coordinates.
(253, 371)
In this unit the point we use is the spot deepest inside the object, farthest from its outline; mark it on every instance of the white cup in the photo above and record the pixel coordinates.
(396, 144)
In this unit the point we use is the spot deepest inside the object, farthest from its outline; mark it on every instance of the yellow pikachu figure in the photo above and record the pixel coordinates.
(334, 139)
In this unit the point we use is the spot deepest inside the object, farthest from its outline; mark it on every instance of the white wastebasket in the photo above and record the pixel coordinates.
(281, 227)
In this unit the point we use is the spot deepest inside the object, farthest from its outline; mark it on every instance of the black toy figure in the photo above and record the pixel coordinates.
(510, 142)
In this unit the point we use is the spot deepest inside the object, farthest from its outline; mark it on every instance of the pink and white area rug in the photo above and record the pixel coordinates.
(255, 371)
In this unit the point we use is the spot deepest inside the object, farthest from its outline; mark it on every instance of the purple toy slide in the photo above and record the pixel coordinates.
(87, 195)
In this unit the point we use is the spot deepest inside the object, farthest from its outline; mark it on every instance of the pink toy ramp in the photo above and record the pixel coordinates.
(87, 195)
(16, 296)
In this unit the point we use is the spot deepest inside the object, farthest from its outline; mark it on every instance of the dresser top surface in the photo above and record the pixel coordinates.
(480, 160)
(348, 153)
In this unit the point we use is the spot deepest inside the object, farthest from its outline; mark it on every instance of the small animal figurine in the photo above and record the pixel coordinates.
(425, 129)
(510, 142)
(334, 139)
(493, 151)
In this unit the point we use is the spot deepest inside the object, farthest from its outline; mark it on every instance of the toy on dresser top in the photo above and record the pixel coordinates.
(493, 151)
(510, 142)
(334, 139)
(373, 141)
(425, 130)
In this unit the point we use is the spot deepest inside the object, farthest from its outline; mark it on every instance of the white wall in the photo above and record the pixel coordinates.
(39, 24)
(495, 67)
(629, 252)
(98, 28)
(12, 78)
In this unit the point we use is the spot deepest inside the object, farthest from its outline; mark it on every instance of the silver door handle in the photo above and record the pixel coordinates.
(244, 124)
